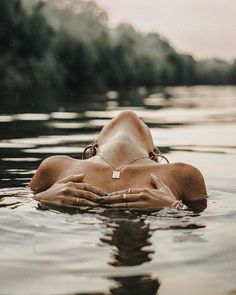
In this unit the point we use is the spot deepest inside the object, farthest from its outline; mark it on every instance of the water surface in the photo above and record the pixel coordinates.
(45, 251)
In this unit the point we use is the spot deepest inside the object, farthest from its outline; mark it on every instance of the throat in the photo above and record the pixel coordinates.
(122, 144)
(116, 170)
(119, 154)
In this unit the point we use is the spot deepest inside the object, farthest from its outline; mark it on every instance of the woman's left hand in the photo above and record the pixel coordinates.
(141, 199)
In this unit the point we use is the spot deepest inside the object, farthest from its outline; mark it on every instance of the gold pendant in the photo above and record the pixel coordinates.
(116, 174)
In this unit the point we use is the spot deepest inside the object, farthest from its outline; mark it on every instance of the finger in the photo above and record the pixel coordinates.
(90, 188)
(85, 202)
(73, 178)
(127, 191)
(70, 201)
(84, 195)
(71, 198)
(156, 181)
(161, 186)
(119, 198)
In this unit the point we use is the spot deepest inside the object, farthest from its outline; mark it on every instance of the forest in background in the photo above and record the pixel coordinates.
(65, 49)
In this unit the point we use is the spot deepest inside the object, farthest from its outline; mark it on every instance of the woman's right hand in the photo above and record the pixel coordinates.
(70, 191)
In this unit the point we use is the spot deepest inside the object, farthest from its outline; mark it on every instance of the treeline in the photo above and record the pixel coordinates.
(69, 48)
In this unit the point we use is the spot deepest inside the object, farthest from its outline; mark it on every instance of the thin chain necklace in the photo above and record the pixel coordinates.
(117, 171)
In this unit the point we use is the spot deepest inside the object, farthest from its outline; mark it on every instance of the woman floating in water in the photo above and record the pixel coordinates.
(120, 169)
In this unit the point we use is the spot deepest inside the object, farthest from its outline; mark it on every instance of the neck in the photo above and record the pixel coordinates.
(119, 152)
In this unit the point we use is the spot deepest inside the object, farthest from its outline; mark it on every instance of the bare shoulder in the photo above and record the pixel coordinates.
(190, 181)
(48, 172)
(55, 160)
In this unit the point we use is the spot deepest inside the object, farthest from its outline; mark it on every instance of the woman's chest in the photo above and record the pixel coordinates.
(102, 176)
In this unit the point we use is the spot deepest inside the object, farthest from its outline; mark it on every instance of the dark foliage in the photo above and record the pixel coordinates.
(47, 49)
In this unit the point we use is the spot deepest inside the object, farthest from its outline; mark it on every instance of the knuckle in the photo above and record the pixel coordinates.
(94, 196)
(72, 178)
(87, 186)
(82, 202)
(90, 195)
(65, 190)
(144, 196)
(61, 200)
(79, 193)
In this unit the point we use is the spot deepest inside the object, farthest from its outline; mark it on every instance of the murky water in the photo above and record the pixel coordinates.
(112, 252)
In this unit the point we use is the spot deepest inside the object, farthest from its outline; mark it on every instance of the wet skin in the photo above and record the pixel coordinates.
(149, 185)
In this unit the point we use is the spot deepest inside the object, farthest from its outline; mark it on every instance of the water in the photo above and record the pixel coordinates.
(111, 252)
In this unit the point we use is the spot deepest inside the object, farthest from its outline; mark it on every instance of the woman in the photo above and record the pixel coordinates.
(122, 170)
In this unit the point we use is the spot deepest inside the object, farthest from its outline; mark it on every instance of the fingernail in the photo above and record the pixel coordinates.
(152, 175)
(106, 194)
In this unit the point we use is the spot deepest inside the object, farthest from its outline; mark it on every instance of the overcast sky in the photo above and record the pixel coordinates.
(204, 28)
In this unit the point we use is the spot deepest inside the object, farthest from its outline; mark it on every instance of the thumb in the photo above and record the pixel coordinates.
(156, 181)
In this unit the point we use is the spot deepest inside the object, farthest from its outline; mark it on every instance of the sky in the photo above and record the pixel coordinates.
(203, 28)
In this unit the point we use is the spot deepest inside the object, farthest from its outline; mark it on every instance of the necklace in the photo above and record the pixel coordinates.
(117, 171)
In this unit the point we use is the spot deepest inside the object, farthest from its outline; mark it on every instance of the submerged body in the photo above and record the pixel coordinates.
(125, 144)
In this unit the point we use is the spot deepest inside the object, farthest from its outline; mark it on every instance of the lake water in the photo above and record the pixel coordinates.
(111, 252)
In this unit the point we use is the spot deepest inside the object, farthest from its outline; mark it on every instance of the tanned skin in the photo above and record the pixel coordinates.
(65, 181)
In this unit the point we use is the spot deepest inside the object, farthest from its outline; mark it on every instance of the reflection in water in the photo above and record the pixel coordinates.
(197, 206)
(195, 126)
(136, 285)
(130, 235)
(133, 285)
